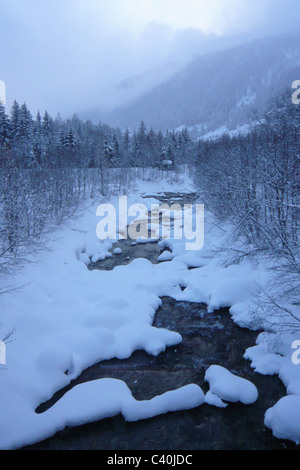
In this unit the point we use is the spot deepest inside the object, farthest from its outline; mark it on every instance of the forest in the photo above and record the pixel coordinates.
(49, 167)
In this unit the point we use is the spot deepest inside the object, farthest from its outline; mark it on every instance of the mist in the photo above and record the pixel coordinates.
(75, 56)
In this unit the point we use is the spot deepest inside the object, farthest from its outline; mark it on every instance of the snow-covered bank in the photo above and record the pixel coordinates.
(67, 318)
(238, 286)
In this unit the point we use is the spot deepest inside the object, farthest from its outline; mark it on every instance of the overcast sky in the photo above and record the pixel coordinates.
(76, 55)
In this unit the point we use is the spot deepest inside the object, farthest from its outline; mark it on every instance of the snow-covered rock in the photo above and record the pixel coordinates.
(190, 396)
(284, 418)
(230, 387)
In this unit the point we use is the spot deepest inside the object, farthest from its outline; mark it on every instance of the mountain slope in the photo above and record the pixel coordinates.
(222, 88)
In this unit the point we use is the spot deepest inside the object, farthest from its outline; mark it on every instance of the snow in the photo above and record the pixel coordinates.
(230, 387)
(245, 129)
(67, 318)
(263, 362)
(141, 241)
(165, 256)
(216, 134)
(100, 399)
(117, 251)
(248, 99)
(273, 354)
(188, 397)
(105, 398)
(214, 400)
(165, 183)
(283, 418)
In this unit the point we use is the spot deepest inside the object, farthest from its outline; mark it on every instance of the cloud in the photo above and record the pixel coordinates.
(72, 55)
(213, 16)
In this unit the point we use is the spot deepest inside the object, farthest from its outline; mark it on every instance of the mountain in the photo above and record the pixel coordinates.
(221, 89)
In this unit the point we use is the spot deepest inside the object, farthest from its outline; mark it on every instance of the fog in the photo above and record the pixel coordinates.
(77, 55)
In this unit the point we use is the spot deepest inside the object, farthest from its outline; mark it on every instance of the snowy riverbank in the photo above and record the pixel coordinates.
(67, 318)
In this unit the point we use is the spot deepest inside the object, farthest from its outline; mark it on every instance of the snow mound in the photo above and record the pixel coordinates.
(283, 418)
(214, 400)
(230, 387)
(104, 398)
(262, 361)
(188, 397)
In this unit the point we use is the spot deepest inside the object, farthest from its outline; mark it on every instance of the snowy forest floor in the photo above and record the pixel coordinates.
(76, 326)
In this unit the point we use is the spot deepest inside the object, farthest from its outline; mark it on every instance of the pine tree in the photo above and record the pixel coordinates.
(4, 128)
(15, 121)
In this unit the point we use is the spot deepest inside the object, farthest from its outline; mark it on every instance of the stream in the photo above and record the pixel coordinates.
(207, 339)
